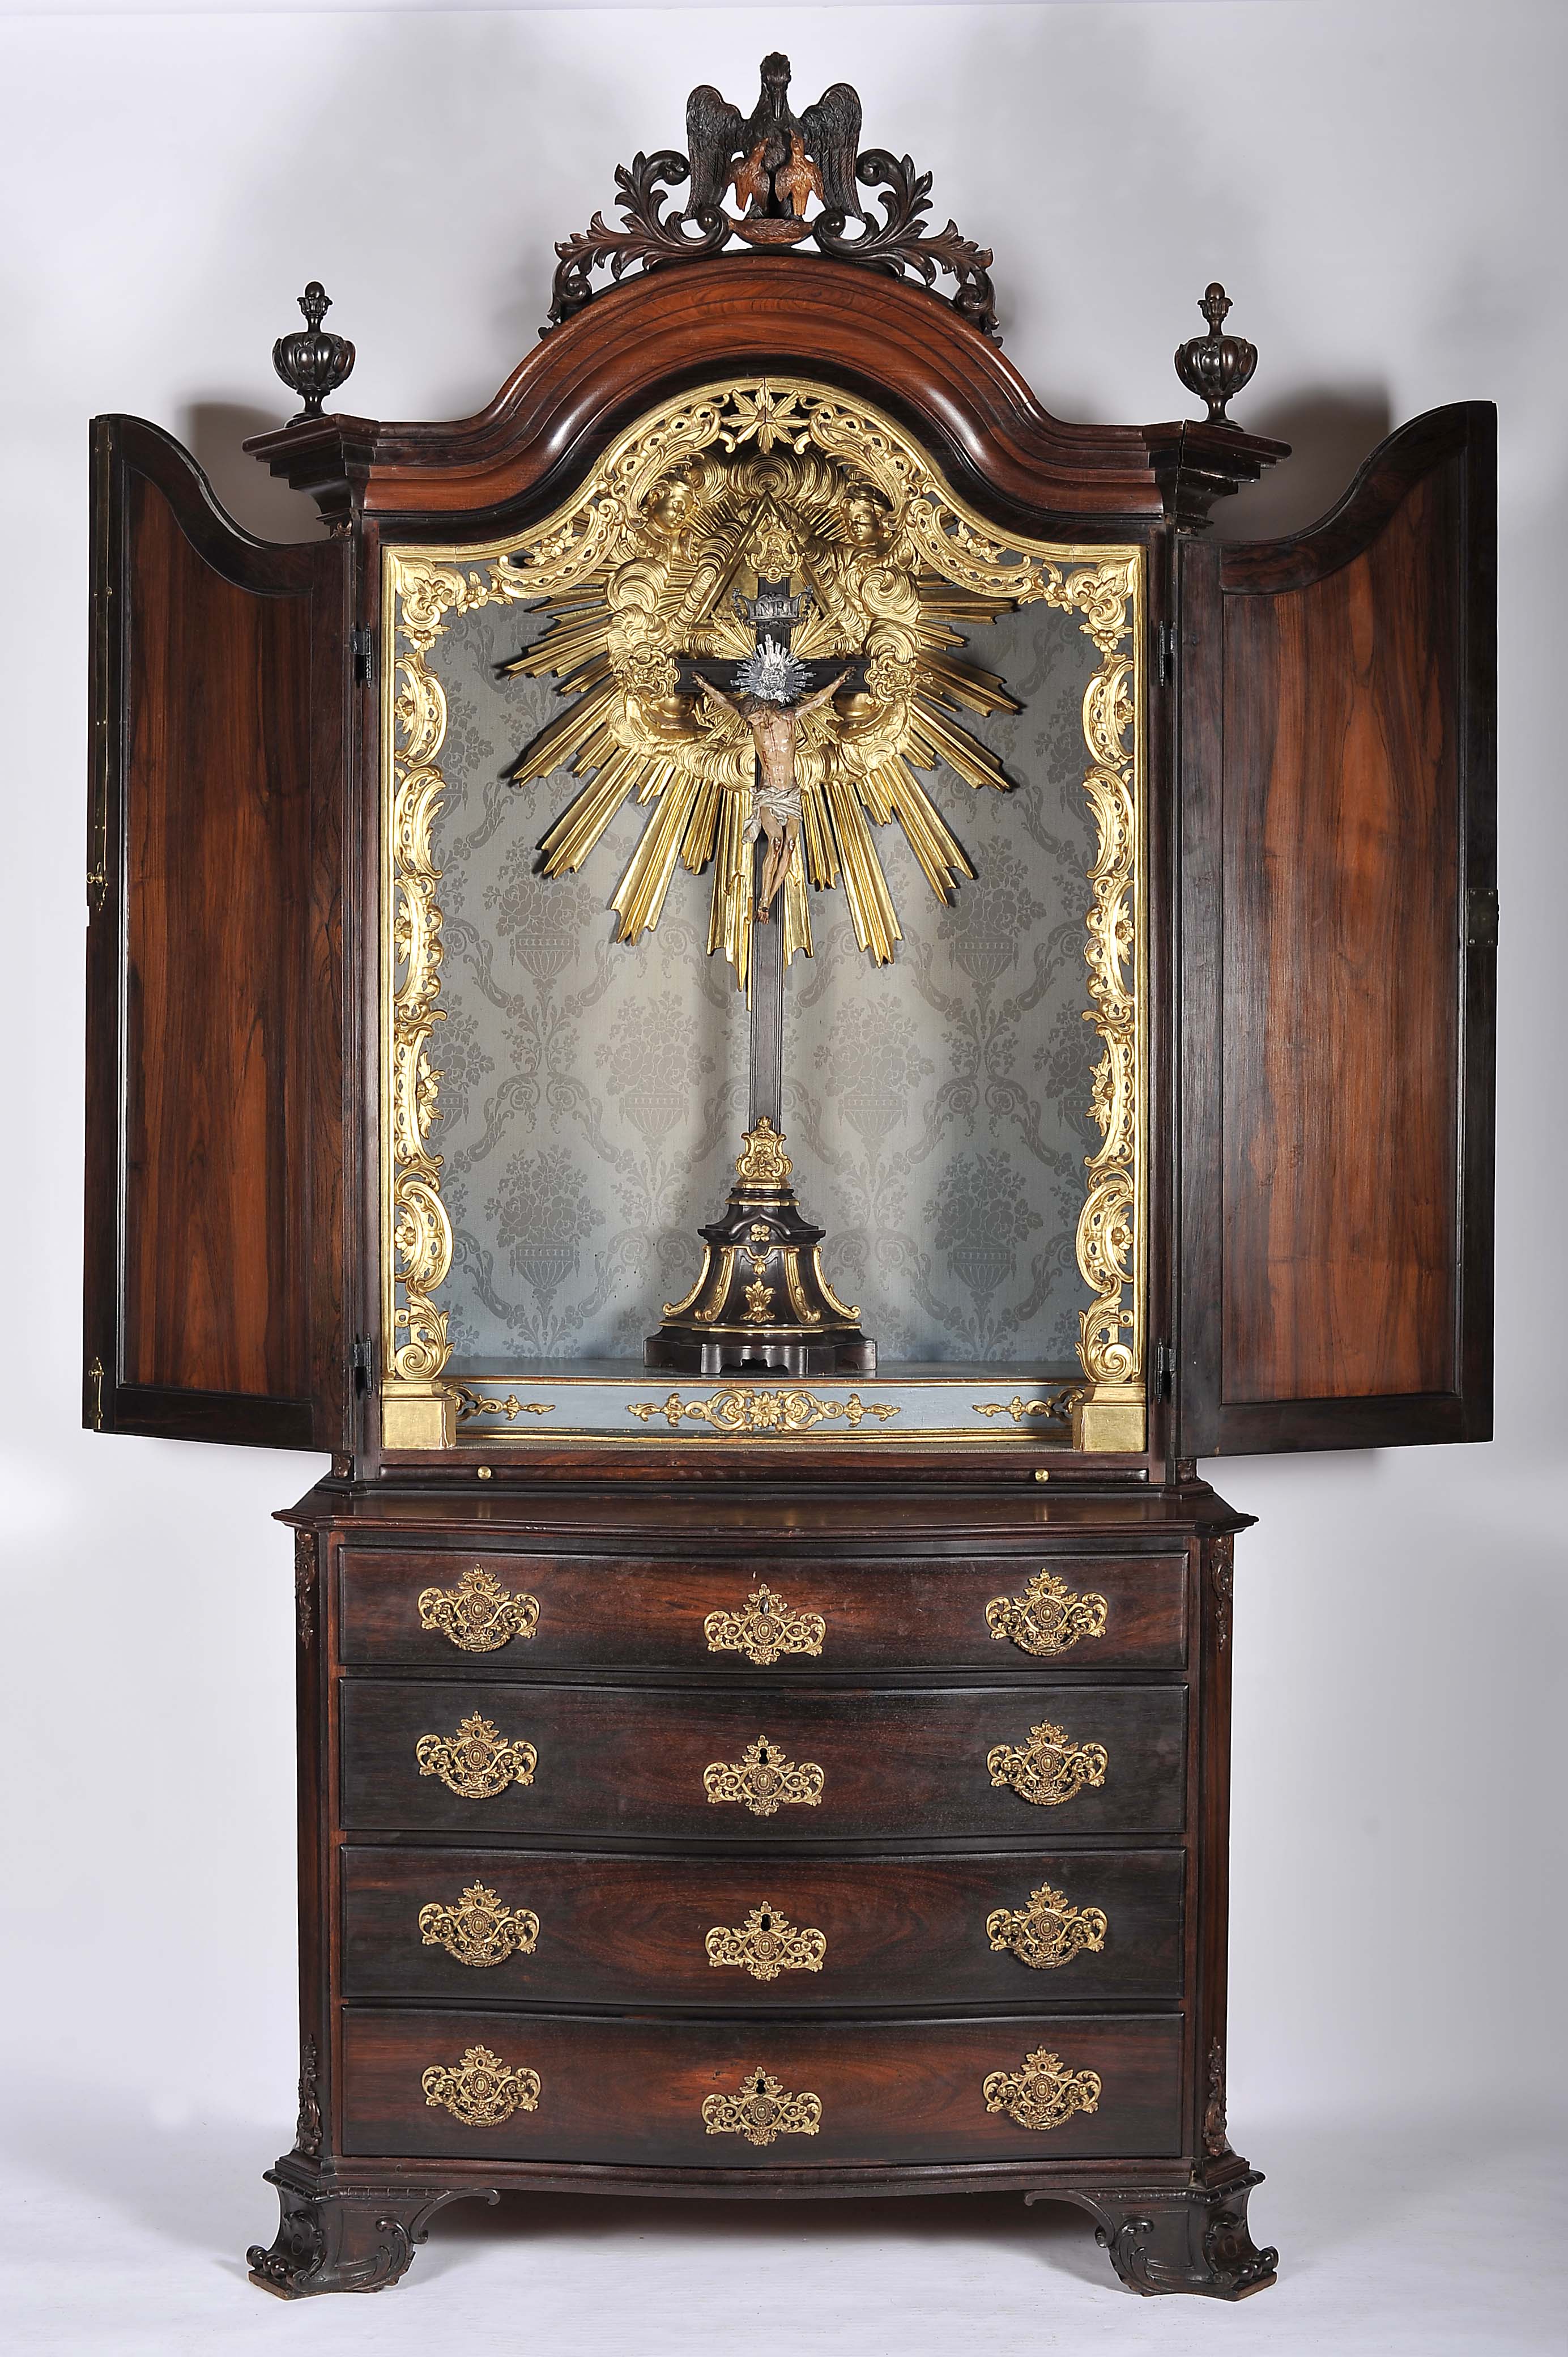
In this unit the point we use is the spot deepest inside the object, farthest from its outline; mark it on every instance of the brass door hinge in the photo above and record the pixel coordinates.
(93, 1391)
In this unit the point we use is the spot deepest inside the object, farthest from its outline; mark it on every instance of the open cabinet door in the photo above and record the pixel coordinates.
(1339, 928)
(215, 1120)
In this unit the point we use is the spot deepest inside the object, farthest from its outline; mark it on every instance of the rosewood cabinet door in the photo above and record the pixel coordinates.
(214, 1292)
(1338, 919)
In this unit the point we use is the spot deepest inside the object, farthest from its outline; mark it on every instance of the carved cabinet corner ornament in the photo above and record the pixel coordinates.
(1049, 1767)
(478, 1614)
(477, 1762)
(1048, 1617)
(760, 2110)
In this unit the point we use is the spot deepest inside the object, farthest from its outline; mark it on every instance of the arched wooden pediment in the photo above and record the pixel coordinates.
(893, 343)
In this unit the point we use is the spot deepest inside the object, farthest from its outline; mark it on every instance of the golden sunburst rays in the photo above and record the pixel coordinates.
(611, 643)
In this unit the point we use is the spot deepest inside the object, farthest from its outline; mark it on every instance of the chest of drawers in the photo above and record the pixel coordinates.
(845, 1842)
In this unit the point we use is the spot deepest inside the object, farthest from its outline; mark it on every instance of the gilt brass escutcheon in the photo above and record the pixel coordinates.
(476, 1763)
(760, 2110)
(478, 1930)
(478, 1614)
(1048, 1932)
(1049, 1767)
(1048, 1617)
(766, 1944)
(481, 2091)
(1043, 2094)
(765, 1629)
(762, 1781)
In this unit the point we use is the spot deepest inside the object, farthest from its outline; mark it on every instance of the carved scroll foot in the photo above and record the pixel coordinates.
(348, 2238)
(1181, 2238)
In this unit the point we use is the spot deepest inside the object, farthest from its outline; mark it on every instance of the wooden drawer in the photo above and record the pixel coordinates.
(747, 1934)
(859, 1764)
(634, 2091)
(604, 1612)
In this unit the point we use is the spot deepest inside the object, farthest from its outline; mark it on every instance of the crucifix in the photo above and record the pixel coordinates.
(787, 1317)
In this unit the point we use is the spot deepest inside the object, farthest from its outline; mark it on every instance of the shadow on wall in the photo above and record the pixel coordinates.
(214, 433)
(1330, 434)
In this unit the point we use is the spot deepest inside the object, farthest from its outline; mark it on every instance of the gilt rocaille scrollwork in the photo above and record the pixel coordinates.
(1048, 1617)
(760, 2110)
(766, 1944)
(478, 1930)
(481, 2091)
(1043, 2093)
(613, 523)
(477, 1762)
(478, 1614)
(762, 1781)
(1048, 1932)
(1050, 1768)
(739, 1408)
(766, 1627)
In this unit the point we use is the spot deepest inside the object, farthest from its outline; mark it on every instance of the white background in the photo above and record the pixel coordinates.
(1381, 188)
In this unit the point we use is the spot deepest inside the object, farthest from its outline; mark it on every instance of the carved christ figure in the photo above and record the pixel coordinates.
(772, 707)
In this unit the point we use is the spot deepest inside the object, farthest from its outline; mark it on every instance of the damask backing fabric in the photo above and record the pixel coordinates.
(593, 1096)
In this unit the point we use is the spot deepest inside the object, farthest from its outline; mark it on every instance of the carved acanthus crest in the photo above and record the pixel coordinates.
(776, 166)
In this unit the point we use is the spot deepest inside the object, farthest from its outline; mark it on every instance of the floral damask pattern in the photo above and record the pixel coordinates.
(591, 1095)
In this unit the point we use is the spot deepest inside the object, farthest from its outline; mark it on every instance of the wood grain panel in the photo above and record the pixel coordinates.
(607, 1611)
(630, 1761)
(216, 1291)
(1341, 973)
(902, 1931)
(633, 2090)
(1338, 795)
(214, 1296)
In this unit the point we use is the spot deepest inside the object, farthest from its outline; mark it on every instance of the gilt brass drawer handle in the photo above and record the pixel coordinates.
(1048, 1769)
(1048, 1617)
(481, 2090)
(478, 1614)
(1042, 2095)
(476, 1763)
(1048, 1932)
(762, 1780)
(480, 1930)
(760, 2110)
(766, 1944)
(766, 1627)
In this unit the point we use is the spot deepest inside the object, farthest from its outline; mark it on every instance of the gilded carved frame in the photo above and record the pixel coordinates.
(423, 587)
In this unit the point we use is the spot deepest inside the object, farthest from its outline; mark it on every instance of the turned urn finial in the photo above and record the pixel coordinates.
(1215, 367)
(313, 362)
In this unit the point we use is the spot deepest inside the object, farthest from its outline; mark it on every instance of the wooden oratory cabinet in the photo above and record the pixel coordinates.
(764, 992)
